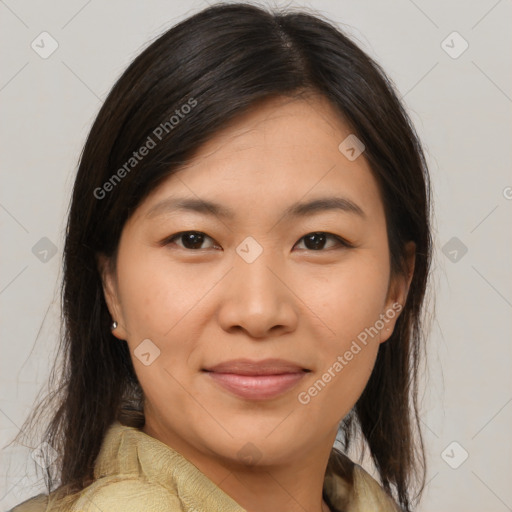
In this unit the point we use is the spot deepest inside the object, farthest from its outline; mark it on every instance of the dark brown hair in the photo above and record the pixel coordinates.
(226, 59)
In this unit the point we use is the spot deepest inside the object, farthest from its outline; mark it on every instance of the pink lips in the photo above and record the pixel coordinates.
(257, 380)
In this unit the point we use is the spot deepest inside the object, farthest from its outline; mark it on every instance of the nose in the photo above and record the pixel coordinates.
(257, 299)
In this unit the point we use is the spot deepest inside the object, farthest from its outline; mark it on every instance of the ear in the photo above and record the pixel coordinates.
(111, 294)
(397, 293)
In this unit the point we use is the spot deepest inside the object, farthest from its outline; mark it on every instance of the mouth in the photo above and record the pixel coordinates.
(257, 380)
(252, 367)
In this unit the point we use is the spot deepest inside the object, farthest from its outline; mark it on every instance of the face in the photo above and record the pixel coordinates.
(257, 278)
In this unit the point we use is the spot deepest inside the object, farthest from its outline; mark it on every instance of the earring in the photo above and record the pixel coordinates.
(114, 325)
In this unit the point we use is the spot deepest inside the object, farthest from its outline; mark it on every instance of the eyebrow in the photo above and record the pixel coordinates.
(215, 209)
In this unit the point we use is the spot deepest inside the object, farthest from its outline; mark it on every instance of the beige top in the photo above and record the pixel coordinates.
(135, 472)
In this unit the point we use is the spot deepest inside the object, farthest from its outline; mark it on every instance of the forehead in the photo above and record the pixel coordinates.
(280, 152)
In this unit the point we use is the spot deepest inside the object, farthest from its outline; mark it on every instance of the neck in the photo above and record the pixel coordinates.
(293, 486)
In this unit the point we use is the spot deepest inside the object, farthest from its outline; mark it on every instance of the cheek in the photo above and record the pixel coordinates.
(155, 295)
(158, 303)
(351, 298)
(333, 391)
(349, 304)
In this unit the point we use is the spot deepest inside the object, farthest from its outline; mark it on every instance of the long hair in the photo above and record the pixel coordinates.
(219, 62)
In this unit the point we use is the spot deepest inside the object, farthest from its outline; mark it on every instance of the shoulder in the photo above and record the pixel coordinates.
(35, 504)
(351, 488)
(370, 493)
(126, 495)
(110, 494)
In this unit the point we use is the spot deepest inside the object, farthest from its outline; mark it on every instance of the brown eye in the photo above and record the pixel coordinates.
(192, 240)
(317, 241)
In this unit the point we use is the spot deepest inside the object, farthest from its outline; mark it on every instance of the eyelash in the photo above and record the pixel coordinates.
(342, 242)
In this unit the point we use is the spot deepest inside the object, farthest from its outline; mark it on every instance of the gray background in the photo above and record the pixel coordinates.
(461, 108)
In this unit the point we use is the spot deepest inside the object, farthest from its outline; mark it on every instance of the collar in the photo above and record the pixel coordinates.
(128, 450)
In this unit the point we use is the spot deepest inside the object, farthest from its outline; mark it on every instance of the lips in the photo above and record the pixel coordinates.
(251, 367)
(256, 380)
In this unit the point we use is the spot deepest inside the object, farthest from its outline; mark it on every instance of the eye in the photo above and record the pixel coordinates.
(191, 239)
(316, 241)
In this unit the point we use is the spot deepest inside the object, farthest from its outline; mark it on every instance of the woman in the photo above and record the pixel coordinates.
(246, 259)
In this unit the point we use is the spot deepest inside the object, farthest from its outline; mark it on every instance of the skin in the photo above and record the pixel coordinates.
(207, 305)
